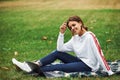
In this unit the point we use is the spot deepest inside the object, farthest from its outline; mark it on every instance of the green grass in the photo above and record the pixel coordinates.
(22, 31)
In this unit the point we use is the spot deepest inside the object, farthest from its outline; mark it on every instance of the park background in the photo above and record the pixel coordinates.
(29, 30)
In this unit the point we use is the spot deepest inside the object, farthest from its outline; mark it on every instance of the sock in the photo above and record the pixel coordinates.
(38, 63)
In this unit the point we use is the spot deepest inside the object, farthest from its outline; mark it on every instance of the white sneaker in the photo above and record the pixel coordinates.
(23, 66)
(110, 73)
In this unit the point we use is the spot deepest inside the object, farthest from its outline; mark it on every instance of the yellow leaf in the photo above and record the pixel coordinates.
(15, 53)
(50, 42)
(44, 38)
(109, 40)
(4, 68)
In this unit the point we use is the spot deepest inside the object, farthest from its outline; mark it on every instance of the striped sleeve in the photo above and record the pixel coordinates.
(98, 53)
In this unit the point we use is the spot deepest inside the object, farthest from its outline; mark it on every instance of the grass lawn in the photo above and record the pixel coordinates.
(32, 34)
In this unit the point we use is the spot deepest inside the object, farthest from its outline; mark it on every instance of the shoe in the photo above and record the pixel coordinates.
(32, 65)
(110, 73)
(23, 66)
(35, 69)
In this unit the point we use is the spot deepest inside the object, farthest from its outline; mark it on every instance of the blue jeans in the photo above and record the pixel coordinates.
(69, 63)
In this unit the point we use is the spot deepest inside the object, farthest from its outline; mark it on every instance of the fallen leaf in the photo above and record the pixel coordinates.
(50, 42)
(109, 40)
(4, 68)
(91, 27)
(93, 21)
(15, 53)
(44, 38)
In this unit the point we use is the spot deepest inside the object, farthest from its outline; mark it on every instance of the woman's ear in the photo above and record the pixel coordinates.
(80, 24)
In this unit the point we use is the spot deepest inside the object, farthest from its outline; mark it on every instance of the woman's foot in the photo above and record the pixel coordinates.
(29, 67)
(23, 66)
(35, 69)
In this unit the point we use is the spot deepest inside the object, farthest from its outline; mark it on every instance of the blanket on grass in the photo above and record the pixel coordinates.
(115, 66)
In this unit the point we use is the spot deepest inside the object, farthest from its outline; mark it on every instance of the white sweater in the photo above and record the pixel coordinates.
(86, 48)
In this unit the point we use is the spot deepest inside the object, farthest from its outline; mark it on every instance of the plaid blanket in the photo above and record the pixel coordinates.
(115, 66)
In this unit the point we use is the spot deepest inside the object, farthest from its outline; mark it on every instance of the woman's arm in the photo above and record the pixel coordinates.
(99, 54)
(60, 42)
(61, 46)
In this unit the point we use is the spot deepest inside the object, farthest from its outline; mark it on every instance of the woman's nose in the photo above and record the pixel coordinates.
(72, 28)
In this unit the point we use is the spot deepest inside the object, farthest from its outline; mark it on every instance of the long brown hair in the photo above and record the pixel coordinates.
(77, 19)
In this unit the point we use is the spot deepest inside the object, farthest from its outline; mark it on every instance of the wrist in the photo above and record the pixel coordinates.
(110, 72)
(62, 31)
(61, 34)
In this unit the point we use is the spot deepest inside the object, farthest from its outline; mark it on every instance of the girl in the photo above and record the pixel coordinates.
(89, 56)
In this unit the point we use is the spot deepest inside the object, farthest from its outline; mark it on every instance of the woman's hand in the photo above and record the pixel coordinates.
(63, 28)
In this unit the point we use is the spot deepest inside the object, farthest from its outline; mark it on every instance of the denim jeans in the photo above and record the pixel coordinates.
(69, 63)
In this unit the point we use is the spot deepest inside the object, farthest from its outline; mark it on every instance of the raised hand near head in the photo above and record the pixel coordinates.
(63, 28)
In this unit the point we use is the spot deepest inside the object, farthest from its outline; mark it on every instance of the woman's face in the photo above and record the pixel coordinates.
(75, 27)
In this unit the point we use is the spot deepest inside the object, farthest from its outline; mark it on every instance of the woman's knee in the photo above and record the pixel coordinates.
(56, 51)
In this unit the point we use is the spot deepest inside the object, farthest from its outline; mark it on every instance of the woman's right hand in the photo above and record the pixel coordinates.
(63, 28)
